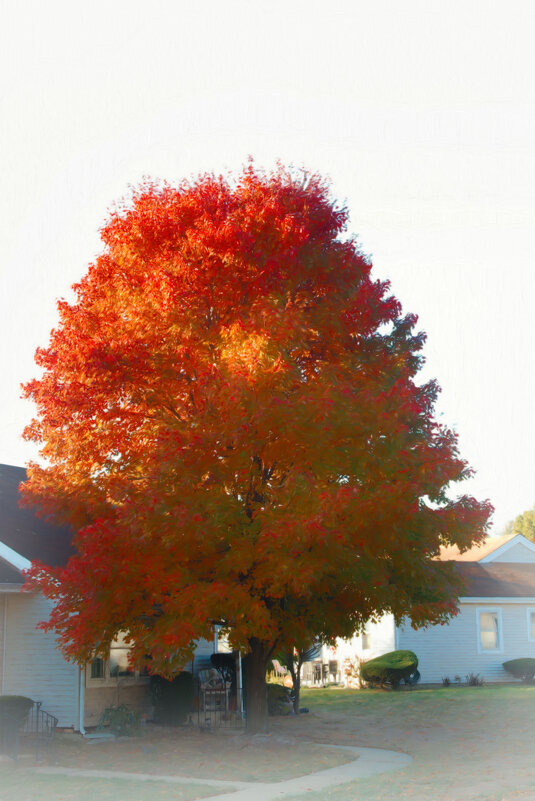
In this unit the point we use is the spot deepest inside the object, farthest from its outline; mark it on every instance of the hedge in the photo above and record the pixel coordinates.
(278, 698)
(390, 668)
(521, 668)
(16, 707)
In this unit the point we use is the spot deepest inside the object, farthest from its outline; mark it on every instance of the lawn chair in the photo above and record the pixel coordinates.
(214, 691)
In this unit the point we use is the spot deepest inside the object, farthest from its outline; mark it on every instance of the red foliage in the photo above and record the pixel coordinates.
(230, 419)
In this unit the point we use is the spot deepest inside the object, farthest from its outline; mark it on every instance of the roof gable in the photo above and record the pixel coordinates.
(24, 537)
(507, 548)
(517, 549)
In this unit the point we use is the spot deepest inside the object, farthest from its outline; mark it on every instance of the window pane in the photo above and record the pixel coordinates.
(97, 668)
(532, 626)
(488, 627)
(119, 662)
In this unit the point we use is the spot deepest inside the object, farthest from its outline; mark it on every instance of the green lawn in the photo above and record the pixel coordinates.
(466, 742)
(17, 783)
(188, 752)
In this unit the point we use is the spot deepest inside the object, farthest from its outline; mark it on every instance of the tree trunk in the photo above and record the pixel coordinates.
(296, 678)
(295, 672)
(257, 710)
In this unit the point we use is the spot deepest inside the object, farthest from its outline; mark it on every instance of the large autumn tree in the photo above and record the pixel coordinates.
(230, 420)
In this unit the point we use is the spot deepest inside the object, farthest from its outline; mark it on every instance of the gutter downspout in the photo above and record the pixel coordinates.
(240, 683)
(81, 695)
(4, 645)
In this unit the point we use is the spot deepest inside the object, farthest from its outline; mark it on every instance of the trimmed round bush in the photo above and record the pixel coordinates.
(390, 668)
(15, 707)
(14, 711)
(521, 668)
(278, 698)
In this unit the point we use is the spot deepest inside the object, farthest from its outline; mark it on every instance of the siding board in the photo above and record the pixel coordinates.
(33, 666)
(452, 649)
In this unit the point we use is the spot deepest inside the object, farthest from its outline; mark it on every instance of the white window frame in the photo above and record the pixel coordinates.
(529, 612)
(492, 610)
(107, 680)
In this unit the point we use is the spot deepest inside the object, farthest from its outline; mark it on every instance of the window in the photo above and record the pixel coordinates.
(489, 623)
(98, 669)
(109, 671)
(118, 661)
(531, 624)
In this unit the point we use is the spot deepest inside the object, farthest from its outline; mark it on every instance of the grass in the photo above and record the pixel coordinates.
(187, 752)
(466, 742)
(18, 784)
(162, 751)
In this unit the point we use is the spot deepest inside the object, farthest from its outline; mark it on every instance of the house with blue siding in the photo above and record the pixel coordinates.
(495, 620)
(30, 662)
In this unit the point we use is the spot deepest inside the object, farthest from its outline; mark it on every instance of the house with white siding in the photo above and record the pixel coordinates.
(30, 662)
(495, 620)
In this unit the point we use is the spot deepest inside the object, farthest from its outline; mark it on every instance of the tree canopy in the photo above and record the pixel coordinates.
(523, 523)
(230, 420)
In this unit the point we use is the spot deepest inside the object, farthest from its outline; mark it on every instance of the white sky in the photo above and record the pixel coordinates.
(422, 114)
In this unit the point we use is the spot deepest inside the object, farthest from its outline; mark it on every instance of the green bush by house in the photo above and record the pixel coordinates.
(279, 702)
(521, 668)
(15, 707)
(120, 720)
(390, 668)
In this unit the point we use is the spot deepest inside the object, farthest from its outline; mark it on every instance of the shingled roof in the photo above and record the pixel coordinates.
(24, 532)
(493, 579)
(497, 579)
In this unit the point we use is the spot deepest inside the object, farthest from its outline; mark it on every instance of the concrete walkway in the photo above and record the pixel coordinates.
(368, 762)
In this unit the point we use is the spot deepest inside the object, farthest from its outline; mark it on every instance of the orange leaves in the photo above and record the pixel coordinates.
(229, 414)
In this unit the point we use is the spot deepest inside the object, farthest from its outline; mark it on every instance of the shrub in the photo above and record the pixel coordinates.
(474, 680)
(279, 700)
(15, 707)
(173, 700)
(521, 668)
(390, 668)
(120, 720)
(446, 681)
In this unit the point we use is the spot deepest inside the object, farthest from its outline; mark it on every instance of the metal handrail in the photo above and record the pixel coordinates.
(41, 725)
